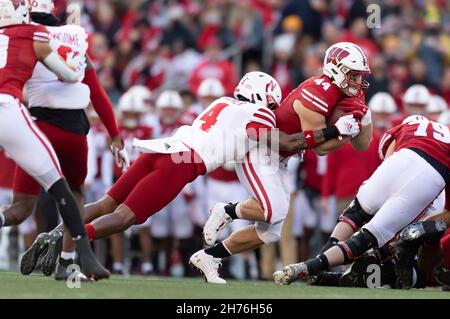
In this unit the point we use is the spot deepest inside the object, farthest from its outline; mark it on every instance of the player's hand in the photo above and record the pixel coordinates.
(120, 154)
(348, 125)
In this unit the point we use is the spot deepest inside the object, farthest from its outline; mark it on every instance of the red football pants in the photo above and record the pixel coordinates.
(153, 181)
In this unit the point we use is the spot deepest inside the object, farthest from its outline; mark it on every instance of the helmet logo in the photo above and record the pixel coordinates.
(270, 85)
(336, 55)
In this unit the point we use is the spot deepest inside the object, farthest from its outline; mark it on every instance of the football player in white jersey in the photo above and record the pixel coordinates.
(223, 132)
(58, 110)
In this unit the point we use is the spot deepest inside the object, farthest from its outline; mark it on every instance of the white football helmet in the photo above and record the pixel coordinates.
(133, 101)
(416, 94)
(382, 102)
(14, 12)
(211, 87)
(436, 105)
(344, 60)
(259, 88)
(42, 6)
(169, 99)
(415, 118)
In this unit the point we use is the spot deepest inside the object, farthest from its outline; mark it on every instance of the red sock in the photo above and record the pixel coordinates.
(90, 231)
(445, 245)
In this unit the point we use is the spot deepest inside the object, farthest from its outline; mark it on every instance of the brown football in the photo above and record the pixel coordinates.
(337, 113)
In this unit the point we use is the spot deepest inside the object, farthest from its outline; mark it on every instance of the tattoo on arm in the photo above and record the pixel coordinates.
(297, 142)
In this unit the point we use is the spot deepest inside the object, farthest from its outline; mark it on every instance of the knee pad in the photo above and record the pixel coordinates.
(357, 245)
(355, 216)
(269, 233)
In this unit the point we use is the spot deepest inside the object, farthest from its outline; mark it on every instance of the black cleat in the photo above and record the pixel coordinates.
(356, 274)
(406, 247)
(325, 278)
(89, 263)
(48, 262)
(33, 254)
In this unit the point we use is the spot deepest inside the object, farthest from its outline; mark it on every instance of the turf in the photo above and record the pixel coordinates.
(14, 285)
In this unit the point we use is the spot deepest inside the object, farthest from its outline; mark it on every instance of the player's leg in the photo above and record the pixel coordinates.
(148, 195)
(408, 201)
(27, 145)
(265, 182)
(372, 194)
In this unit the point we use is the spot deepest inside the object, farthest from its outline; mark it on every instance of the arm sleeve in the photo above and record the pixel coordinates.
(101, 102)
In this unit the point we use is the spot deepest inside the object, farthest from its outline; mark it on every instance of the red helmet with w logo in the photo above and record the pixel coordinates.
(346, 65)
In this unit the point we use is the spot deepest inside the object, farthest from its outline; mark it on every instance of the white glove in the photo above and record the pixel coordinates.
(121, 158)
(367, 118)
(347, 126)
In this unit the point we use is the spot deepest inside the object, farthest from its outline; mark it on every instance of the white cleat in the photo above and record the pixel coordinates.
(290, 273)
(217, 220)
(208, 265)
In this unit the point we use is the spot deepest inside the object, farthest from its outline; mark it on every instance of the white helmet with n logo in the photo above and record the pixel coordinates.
(259, 88)
(42, 6)
(14, 12)
(344, 60)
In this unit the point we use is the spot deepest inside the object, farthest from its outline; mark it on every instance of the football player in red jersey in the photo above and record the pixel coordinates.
(400, 192)
(219, 135)
(22, 45)
(311, 106)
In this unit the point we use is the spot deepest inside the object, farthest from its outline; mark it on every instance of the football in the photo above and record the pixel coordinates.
(337, 113)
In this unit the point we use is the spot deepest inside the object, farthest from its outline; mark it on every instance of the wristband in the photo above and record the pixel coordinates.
(330, 133)
(309, 138)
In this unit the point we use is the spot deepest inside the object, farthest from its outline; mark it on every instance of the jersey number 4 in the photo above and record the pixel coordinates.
(440, 132)
(210, 118)
(4, 43)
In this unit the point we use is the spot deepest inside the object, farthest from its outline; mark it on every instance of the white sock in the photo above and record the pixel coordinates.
(117, 266)
(68, 255)
(238, 210)
(146, 267)
(2, 217)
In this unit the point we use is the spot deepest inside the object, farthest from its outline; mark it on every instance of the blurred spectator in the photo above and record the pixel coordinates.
(214, 66)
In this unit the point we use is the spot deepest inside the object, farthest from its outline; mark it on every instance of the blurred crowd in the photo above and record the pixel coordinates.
(162, 62)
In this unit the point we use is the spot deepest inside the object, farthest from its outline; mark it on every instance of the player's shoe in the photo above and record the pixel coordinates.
(89, 263)
(208, 266)
(31, 256)
(62, 272)
(290, 273)
(48, 262)
(406, 247)
(325, 278)
(442, 276)
(356, 274)
(217, 220)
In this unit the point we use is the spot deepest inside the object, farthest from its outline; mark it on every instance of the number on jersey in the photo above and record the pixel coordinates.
(4, 43)
(325, 85)
(441, 132)
(210, 118)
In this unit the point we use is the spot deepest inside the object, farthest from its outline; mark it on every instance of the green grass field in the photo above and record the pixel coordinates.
(14, 285)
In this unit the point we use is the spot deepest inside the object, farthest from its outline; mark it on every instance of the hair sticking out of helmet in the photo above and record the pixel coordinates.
(259, 88)
(347, 65)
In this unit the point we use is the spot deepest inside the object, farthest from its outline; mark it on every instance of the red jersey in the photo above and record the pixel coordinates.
(18, 58)
(309, 171)
(428, 136)
(317, 94)
(223, 175)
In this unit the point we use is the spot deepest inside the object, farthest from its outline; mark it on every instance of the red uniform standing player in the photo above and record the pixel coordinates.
(22, 46)
(308, 108)
(400, 192)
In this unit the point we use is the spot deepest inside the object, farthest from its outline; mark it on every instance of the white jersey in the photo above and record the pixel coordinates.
(44, 89)
(219, 134)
